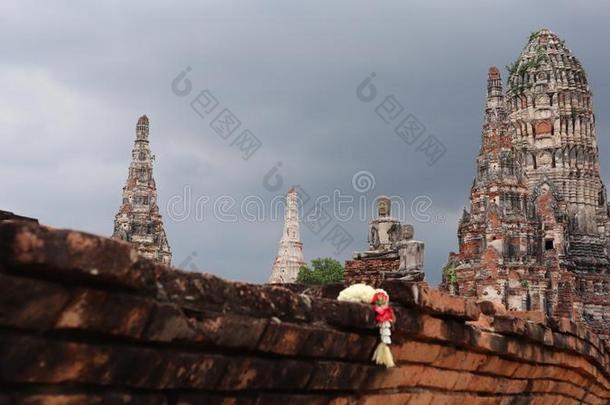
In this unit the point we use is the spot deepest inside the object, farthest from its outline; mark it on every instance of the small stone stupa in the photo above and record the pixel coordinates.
(290, 253)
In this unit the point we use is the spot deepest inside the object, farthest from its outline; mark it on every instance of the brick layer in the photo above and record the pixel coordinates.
(84, 320)
(370, 271)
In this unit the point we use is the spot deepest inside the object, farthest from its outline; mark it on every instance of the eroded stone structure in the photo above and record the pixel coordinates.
(138, 220)
(290, 253)
(392, 251)
(384, 233)
(9, 216)
(85, 321)
(537, 232)
(411, 255)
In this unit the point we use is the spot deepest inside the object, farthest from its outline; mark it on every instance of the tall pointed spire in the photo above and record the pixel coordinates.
(538, 232)
(499, 194)
(138, 220)
(550, 107)
(290, 253)
(494, 88)
(495, 136)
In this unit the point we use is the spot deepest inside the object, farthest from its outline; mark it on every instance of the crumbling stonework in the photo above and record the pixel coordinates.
(138, 220)
(7, 215)
(371, 271)
(289, 257)
(537, 232)
(86, 320)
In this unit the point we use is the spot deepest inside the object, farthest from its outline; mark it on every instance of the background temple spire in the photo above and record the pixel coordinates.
(138, 220)
(289, 258)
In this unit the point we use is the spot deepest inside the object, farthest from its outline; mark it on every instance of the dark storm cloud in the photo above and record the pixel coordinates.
(76, 77)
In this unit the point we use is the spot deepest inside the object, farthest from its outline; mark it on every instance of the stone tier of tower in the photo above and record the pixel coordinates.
(290, 253)
(553, 127)
(138, 220)
(536, 235)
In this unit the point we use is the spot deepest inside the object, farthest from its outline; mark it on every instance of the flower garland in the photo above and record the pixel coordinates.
(384, 314)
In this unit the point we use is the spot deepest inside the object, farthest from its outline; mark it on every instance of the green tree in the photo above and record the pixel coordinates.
(323, 271)
(450, 274)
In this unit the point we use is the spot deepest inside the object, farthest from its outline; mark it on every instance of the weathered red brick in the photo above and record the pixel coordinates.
(29, 303)
(341, 376)
(253, 373)
(167, 323)
(90, 399)
(491, 307)
(104, 312)
(191, 371)
(351, 315)
(247, 331)
(370, 271)
(199, 292)
(195, 337)
(57, 254)
(26, 358)
(431, 300)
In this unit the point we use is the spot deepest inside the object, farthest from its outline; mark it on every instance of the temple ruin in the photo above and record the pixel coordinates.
(289, 257)
(138, 220)
(537, 232)
(522, 316)
(85, 320)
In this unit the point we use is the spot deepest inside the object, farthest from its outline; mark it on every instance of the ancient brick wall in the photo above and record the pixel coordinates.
(6, 215)
(370, 271)
(593, 290)
(83, 320)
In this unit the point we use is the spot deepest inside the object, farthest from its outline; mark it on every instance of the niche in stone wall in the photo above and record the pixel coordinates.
(543, 128)
(545, 159)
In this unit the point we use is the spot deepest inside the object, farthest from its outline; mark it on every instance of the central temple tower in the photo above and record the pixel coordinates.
(553, 127)
(536, 235)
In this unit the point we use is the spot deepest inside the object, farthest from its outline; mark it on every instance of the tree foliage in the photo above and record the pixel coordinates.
(450, 273)
(322, 271)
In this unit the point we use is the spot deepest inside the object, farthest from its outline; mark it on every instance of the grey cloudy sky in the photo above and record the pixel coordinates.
(75, 77)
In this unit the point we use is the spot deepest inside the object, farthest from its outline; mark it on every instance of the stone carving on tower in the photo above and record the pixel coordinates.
(537, 232)
(290, 253)
(138, 220)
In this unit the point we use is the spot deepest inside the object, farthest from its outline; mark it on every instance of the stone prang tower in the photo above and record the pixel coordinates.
(290, 253)
(138, 220)
(537, 233)
(553, 128)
